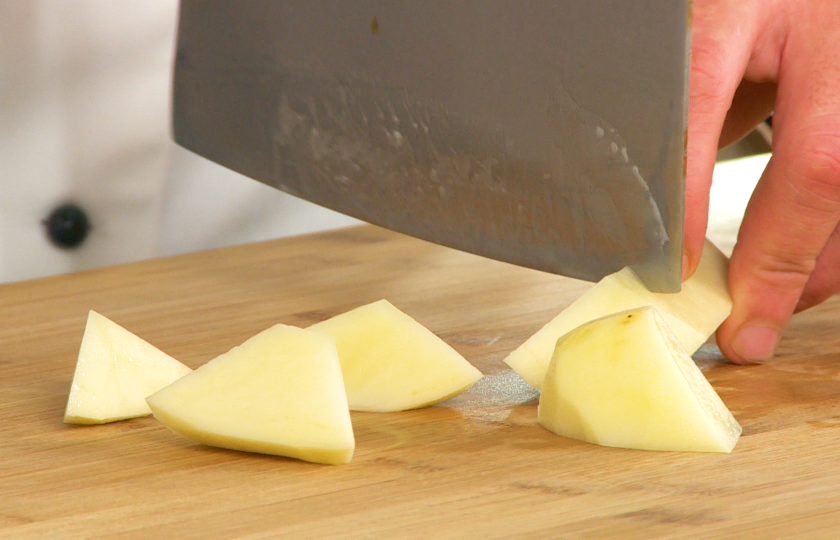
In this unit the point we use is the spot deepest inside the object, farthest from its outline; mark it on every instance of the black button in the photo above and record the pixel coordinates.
(67, 226)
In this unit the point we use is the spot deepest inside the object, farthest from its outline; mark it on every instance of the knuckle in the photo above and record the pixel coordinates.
(817, 171)
(824, 282)
(784, 271)
(708, 81)
(707, 88)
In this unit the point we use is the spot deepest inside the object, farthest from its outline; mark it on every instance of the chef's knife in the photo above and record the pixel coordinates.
(549, 134)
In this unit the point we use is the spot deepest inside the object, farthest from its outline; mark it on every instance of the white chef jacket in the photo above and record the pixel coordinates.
(84, 118)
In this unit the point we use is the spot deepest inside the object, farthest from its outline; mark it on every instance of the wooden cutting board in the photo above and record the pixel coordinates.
(479, 466)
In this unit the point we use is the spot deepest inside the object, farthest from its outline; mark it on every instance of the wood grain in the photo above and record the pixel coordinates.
(478, 466)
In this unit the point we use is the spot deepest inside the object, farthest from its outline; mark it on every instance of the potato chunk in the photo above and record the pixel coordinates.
(280, 393)
(115, 372)
(693, 314)
(393, 363)
(624, 380)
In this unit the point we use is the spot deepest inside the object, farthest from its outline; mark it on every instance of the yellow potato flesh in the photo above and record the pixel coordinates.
(625, 381)
(115, 372)
(280, 392)
(693, 314)
(391, 362)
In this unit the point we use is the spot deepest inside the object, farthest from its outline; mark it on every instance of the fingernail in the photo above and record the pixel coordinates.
(755, 343)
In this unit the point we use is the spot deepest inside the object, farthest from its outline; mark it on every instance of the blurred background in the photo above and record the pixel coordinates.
(84, 121)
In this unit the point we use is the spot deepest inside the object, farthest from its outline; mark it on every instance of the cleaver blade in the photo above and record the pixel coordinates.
(547, 134)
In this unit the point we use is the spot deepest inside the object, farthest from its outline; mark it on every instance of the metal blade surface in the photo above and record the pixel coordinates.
(549, 134)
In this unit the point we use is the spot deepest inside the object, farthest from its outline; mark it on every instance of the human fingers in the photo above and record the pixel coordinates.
(785, 240)
(824, 281)
(723, 35)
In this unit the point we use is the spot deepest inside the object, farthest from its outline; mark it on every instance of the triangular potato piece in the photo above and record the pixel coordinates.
(693, 314)
(279, 393)
(115, 372)
(393, 363)
(624, 380)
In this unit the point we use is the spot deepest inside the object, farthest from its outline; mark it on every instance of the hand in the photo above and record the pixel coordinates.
(751, 58)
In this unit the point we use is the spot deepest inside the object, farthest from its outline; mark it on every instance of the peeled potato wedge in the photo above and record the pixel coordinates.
(393, 363)
(624, 380)
(693, 314)
(115, 372)
(280, 392)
